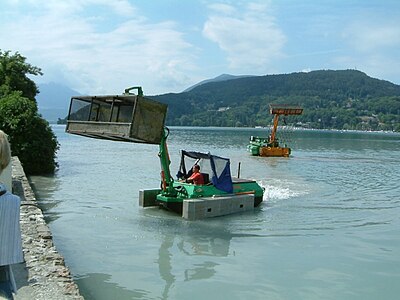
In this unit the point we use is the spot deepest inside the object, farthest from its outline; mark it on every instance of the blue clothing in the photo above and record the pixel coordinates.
(10, 233)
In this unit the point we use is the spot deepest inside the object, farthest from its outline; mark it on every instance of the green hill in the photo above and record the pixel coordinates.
(345, 99)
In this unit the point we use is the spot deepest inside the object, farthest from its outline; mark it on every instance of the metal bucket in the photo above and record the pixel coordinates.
(130, 118)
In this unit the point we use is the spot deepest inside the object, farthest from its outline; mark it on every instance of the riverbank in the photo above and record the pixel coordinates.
(44, 274)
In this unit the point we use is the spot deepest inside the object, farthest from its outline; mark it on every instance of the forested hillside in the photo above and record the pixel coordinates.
(347, 99)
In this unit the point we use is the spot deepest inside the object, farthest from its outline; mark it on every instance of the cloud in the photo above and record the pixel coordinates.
(370, 37)
(375, 65)
(248, 35)
(68, 39)
(374, 45)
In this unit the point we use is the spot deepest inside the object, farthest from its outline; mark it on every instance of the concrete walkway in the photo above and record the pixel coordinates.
(44, 274)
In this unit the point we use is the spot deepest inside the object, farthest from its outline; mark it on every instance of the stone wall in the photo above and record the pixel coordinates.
(44, 274)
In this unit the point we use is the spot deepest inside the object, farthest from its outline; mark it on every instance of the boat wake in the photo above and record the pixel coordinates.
(279, 190)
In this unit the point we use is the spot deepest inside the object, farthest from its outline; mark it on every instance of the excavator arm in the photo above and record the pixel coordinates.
(166, 178)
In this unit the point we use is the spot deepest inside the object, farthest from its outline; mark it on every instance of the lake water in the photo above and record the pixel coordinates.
(329, 226)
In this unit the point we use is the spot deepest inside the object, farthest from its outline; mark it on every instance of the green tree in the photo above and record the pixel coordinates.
(14, 71)
(31, 137)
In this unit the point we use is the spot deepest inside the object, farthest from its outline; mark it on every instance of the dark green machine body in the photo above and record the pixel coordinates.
(191, 191)
(173, 193)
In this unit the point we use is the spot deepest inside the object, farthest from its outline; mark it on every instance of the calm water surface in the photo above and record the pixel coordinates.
(328, 227)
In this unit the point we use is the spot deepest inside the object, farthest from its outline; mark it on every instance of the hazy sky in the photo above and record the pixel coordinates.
(104, 46)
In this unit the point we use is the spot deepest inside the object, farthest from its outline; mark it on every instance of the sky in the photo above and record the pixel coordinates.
(104, 46)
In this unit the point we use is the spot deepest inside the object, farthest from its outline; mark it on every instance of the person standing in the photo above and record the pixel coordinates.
(10, 232)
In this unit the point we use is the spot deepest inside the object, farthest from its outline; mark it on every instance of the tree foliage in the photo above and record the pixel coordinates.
(14, 71)
(31, 137)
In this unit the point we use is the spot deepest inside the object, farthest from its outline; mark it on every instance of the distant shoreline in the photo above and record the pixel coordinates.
(267, 128)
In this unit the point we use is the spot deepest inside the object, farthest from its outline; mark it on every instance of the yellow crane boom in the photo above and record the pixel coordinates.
(279, 109)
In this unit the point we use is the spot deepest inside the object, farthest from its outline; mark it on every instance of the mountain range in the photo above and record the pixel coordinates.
(53, 100)
(222, 77)
(341, 99)
(332, 99)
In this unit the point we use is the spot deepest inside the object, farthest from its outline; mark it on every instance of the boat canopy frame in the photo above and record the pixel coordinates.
(216, 167)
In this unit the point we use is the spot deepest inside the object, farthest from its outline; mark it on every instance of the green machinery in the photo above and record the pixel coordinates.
(216, 173)
(270, 146)
(135, 118)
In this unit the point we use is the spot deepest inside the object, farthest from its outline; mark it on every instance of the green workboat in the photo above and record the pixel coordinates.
(135, 118)
(215, 171)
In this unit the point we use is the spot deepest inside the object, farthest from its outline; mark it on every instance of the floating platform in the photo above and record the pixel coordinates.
(200, 206)
(208, 207)
(260, 146)
(205, 207)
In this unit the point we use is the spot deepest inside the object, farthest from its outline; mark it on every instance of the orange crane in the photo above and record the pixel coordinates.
(270, 146)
